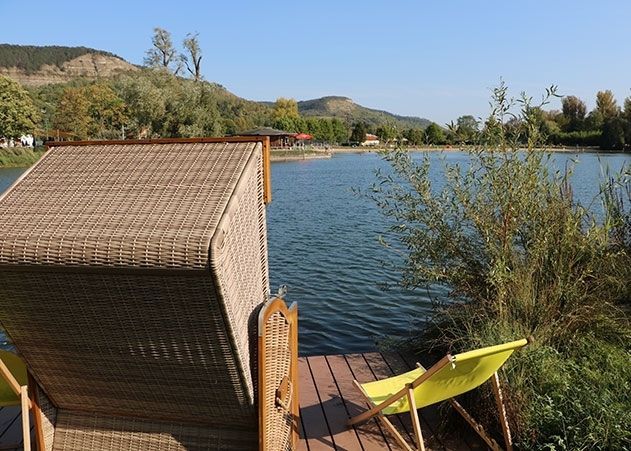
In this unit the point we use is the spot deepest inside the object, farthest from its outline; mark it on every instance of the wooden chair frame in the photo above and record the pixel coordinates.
(408, 391)
(26, 403)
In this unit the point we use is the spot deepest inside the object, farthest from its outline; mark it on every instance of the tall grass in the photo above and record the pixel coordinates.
(521, 257)
(19, 157)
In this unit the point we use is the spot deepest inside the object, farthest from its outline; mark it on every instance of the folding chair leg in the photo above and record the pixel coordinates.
(477, 427)
(499, 400)
(415, 421)
(26, 427)
(388, 424)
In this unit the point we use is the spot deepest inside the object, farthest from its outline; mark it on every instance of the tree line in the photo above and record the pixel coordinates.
(170, 98)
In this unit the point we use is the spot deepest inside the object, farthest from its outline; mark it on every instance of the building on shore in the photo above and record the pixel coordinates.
(279, 139)
(371, 140)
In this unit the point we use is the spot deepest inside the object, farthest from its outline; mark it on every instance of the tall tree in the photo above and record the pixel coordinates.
(606, 104)
(162, 54)
(17, 112)
(72, 114)
(192, 57)
(286, 108)
(574, 111)
(358, 134)
(387, 133)
(466, 128)
(627, 110)
(434, 134)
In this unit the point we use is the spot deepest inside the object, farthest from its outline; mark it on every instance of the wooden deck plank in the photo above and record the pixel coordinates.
(316, 429)
(369, 433)
(302, 442)
(344, 438)
(363, 373)
(10, 428)
(381, 370)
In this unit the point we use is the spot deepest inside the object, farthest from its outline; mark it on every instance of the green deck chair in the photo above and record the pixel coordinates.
(14, 391)
(450, 377)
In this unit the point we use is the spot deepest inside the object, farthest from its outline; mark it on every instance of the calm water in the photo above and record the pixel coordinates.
(323, 244)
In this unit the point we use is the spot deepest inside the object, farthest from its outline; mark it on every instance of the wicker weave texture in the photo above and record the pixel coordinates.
(121, 205)
(112, 292)
(85, 432)
(278, 427)
(164, 351)
(49, 418)
(236, 247)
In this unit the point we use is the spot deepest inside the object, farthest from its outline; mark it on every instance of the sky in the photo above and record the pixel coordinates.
(437, 60)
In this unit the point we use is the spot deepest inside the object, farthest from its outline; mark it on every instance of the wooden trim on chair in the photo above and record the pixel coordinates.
(37, 413)
(26, 426)
(291, 316)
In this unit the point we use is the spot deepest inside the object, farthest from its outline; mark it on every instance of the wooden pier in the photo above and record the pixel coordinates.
(327, 398)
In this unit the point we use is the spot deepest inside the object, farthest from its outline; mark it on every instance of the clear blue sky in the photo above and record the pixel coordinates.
(431, 59)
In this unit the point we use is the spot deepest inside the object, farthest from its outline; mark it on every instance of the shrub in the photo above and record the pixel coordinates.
(519, 256)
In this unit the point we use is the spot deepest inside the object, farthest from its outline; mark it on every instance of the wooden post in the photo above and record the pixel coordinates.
(415, 421)
(37, 413)
(267, 171)
(26, 427)
(499, 400)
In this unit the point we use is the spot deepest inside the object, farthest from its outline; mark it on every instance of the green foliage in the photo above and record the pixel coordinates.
(613, 135)
(17, 112)
(581, 139)
(574, 111)
(415, 136)
(518, 256)
(387, 133)
(434, 134)
(31, 58)
(90, 111)
(358, 135)
(606, 105)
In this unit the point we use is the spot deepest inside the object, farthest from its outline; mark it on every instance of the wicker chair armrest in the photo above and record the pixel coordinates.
(278, 375)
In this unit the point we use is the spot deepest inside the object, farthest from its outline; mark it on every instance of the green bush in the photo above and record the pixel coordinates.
(520, 257)
(580, 139)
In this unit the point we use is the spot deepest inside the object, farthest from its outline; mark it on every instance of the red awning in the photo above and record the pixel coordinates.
(303, 136)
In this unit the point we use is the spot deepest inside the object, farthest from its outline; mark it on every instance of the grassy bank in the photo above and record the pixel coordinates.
(19, 157)
(518, 256)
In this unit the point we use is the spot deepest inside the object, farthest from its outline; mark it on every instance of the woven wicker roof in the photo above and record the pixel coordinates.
(128, 205)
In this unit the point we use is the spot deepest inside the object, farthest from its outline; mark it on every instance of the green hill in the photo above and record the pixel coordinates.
(345, 109)
(31, 58)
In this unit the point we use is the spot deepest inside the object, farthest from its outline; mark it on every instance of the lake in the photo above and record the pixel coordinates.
(323, 244)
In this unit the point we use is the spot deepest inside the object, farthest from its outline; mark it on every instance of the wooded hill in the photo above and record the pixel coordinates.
(348, 111)
(31, 58)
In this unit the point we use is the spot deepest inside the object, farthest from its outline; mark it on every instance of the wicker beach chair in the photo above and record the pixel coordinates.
(134, 283)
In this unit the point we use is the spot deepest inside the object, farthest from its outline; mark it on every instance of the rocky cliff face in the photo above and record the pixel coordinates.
(90, 65)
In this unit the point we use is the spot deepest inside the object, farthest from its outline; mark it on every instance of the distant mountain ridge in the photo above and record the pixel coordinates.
(345, 109)
(40, 65)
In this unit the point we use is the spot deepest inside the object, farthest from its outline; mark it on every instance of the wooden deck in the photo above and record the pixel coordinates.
(328, 397)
